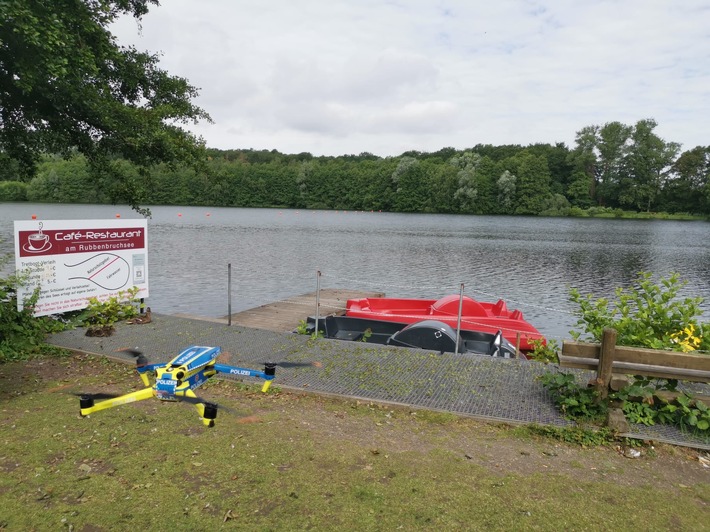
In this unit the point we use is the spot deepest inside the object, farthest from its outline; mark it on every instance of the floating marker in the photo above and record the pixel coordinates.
(34, 216)
(118, 216)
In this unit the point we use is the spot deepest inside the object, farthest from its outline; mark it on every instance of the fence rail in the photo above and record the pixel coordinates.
(607, 358)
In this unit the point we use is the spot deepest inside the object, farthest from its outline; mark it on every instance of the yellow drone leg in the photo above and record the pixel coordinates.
(265, 387)
(145, 393)
(207, 422)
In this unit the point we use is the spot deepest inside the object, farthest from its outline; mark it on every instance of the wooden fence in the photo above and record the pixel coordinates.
(608, 359)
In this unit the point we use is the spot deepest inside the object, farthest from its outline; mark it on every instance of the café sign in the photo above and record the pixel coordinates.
(73, 260)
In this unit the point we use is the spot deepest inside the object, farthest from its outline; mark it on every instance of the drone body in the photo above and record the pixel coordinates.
(176, 380)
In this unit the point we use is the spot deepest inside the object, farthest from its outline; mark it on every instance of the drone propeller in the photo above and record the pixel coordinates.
(141, 359)
(96, 395)
(287, 364)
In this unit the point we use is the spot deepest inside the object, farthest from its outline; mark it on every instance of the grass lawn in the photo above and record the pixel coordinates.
(293, 461)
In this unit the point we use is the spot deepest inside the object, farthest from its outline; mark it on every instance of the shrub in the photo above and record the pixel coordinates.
(574, 401)
(545, 352)
(100, 316)
(21, 334)
(13, 191)
(647, 315)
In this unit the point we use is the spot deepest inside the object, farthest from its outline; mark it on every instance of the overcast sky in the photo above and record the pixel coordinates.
(335, 77)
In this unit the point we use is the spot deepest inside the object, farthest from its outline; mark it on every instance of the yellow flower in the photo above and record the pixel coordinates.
(689, 342)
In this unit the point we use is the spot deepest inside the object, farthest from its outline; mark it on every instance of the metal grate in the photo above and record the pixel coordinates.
(474, 385)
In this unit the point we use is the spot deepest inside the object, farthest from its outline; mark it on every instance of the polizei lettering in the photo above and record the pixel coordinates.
(240, 372)
(166, 382)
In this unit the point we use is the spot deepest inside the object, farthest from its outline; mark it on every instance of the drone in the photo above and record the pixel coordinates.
(176, 380)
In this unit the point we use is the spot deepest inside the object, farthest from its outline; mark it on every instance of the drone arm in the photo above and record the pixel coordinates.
(144, 370)
(144, 378)
(208, 421)
(244, 372)
(140, 395)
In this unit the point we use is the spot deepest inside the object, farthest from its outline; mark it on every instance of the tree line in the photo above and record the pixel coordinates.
(614, 166)
(84, 119)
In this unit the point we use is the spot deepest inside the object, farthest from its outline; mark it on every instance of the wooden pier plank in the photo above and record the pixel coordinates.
(284, 316)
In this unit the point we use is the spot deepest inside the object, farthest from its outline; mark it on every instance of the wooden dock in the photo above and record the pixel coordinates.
(285, 316)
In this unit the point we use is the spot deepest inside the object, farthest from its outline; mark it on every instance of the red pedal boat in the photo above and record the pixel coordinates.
(475, 315)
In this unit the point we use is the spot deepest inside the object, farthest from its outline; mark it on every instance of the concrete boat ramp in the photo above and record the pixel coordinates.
(502, 390)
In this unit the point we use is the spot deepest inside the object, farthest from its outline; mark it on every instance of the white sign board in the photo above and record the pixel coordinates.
(73, 260)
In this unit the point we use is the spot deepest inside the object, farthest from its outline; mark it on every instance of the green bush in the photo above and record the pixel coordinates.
(574, 401)
(101, 316)
(21, 334)
(647, 315)
(13, 191)
(546, 352)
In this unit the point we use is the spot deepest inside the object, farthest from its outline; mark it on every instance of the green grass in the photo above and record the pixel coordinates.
(311, 462)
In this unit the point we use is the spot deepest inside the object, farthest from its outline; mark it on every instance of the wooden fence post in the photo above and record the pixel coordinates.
(606, 359)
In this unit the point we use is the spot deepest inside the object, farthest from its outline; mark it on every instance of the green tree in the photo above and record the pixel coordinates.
(506, 185)
(487, 173)
(467, 190)
(66, 84)
(579, 191)
(613, 147)
(413, 193)
(533, 183)
(13, 191)
(688, 186)
(64, 181)
(583, 158)
(646, 166)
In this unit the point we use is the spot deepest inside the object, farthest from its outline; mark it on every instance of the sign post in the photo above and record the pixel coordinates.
(73, 260)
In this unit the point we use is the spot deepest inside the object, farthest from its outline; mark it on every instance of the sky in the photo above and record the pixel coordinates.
(337, 77)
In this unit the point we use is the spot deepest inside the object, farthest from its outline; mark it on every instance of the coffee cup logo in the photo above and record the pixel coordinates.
(37, 241)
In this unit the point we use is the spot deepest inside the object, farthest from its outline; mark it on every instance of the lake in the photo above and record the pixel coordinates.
(530, 262)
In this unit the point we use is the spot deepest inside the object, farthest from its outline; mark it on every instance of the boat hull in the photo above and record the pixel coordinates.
(426, 334)
(475, 315)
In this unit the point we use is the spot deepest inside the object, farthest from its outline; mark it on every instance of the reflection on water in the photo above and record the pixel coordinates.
(529, 262)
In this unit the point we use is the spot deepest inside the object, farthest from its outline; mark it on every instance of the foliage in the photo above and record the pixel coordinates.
(67, 85)
(302, 327)
(305, 328)
(637, 400)
(574, 401)
(535, 180)
(13, 191)
(688, 413)
(100, 316)
(646, 315)
(546, 352)
(21, 334)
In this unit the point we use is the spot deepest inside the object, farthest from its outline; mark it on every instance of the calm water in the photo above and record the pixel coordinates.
(529, 262)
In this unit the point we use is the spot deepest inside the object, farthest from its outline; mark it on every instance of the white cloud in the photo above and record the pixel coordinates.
(385, 76)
